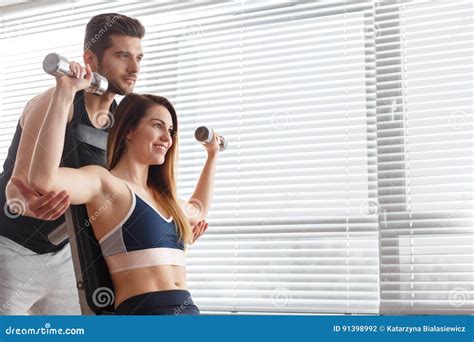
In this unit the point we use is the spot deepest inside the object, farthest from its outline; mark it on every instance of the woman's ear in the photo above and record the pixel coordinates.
(130, 134)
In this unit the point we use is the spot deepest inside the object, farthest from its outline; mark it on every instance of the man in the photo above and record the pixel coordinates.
(36, 272)
(36, 276)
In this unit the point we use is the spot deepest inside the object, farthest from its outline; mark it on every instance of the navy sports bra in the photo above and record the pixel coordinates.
(144, 238)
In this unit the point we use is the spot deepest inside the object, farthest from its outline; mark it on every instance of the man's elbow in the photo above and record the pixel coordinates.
(14, 200)
(11, 191)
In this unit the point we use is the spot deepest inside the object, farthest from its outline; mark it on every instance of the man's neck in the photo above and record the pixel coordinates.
(96, 103)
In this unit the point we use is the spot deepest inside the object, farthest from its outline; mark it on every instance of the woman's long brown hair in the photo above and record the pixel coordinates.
(161, 178)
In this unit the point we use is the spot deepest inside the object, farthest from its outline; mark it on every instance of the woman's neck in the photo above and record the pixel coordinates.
(131, 171)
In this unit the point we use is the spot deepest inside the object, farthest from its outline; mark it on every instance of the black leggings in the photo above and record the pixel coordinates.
(169, 302)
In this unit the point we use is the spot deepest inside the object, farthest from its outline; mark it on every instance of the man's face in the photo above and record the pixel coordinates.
(120, 63)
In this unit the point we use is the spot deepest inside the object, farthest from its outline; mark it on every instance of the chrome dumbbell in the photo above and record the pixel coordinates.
(56, 65)
(205, 135)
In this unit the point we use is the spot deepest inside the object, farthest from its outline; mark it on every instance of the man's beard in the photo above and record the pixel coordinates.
(116, 89)
(113, 87)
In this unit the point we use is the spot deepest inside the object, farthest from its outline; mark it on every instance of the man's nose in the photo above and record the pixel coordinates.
(134, 66)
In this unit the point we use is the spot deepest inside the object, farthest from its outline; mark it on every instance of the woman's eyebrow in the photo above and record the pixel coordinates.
(164, 123)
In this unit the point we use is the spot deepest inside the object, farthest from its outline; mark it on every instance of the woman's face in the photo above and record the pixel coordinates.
(152, 139)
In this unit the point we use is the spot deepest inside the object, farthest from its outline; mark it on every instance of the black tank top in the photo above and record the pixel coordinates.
(27, 231)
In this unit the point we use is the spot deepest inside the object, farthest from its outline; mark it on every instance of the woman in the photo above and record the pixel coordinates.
(136, 216)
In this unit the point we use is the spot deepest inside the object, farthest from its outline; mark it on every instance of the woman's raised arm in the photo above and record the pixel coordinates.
(197, 207)
(45, 174)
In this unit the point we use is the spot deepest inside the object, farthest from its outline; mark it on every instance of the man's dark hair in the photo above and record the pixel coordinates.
(102, 26)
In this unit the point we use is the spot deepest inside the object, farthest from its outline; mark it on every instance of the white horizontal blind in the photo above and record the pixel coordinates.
(291, 85)
(292, 89)
(425, 138)
(29, 32)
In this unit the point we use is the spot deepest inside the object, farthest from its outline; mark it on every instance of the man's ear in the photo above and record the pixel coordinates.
(91, 59)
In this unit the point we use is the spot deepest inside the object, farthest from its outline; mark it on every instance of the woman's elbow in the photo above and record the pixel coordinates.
(41, 183)
(195, 211)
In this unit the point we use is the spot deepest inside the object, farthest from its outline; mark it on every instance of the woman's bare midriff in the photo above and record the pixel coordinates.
(149, 279)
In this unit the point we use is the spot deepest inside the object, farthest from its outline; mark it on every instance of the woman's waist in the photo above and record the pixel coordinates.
(150, 279)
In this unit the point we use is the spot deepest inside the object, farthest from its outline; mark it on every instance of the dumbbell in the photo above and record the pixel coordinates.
(204, 135)
(57, 65)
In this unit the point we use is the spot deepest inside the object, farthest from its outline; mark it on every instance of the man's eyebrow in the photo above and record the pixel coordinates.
(127, 52)
(164, 123)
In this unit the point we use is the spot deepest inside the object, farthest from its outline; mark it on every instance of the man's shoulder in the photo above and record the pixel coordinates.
(38, 105)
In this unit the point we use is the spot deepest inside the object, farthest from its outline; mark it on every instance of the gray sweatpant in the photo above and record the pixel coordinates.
(37, 284)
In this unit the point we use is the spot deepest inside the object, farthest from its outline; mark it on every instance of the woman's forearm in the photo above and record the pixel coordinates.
(48, 150)
(205, 186)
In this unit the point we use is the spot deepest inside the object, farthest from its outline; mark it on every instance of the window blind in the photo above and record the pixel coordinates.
(291, 85)
(425, 156)
(293, 226)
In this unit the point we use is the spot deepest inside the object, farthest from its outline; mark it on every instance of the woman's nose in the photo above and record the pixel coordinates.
(166, 137)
